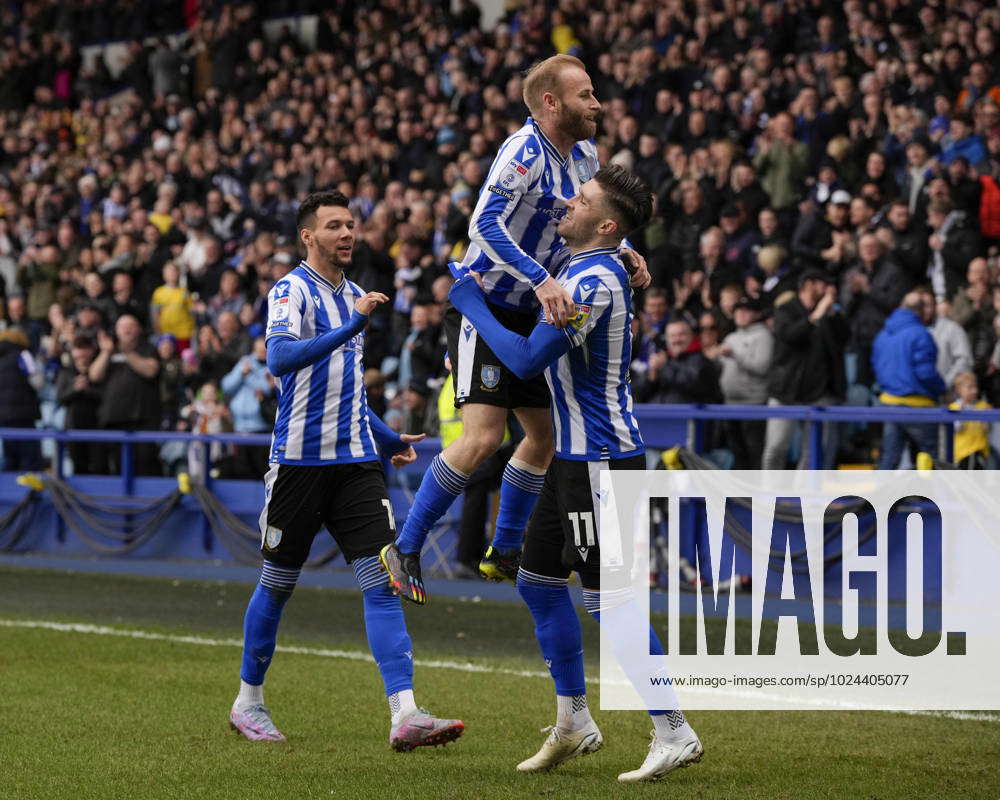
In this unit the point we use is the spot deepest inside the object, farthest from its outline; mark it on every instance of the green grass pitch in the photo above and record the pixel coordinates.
(91, 715)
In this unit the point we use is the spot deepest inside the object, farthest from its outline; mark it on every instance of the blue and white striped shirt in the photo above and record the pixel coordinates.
(514, 244)
(322, 408)
(591, 395)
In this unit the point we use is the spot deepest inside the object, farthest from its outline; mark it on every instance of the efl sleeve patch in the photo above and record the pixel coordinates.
(284, 310)
(512, 176)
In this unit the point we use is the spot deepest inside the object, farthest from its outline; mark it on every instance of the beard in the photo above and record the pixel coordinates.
(569, 231)
(578, 124)
(331, 258)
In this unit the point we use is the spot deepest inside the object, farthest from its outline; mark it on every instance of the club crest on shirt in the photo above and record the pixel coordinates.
(272, 538)
(578, 320)
(490, 376)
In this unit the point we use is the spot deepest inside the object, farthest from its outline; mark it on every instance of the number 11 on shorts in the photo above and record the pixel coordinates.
(587, 518)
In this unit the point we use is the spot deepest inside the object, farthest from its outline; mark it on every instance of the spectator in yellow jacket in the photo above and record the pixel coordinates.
(972, 443)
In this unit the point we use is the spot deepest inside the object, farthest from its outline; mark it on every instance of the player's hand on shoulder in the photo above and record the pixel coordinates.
(555, 300)
(637, 269)
(365, 305)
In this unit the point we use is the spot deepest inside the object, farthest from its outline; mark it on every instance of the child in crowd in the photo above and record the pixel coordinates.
(972, 444)
(208, 414)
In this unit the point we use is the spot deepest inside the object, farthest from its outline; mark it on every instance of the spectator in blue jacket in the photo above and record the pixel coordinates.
(904, 357)
(246, 386)
(961, 141)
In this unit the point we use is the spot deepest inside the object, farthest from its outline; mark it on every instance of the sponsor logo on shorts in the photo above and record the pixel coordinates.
(506, 195)
(490, 376)
(272, 538)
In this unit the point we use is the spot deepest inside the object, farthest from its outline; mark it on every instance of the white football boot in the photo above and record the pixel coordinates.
(561, 746)
(664, 757)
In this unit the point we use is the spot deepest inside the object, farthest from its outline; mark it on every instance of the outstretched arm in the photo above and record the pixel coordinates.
(386, 437)
(397, 445)
(286, 353)
(525, 357)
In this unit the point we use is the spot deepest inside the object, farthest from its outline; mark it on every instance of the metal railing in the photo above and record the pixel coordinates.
(658, 424)
(649, 416)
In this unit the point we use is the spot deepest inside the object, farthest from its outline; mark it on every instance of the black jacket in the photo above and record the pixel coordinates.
(911, 251)
(808, 358)
(961, 245)
(867, 312)
(684, 234)
(81, 404)
(689, 378)
(812, 236)
(128, 400)
(18, 399)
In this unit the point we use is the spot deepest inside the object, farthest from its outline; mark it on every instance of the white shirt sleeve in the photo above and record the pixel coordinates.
(286, 308)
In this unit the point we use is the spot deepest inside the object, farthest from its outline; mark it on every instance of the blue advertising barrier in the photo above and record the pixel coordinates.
(187, 533)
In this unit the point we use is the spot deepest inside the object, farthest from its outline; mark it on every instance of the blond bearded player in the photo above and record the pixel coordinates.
(515, 249)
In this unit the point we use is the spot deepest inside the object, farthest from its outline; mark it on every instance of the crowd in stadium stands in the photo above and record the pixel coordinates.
(813, 163)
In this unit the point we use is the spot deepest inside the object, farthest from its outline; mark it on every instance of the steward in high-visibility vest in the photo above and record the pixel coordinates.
(450, 418)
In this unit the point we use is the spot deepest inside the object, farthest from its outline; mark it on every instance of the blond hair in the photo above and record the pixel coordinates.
(837, 147)
(963, 378)
(544, 77)
(771, 257)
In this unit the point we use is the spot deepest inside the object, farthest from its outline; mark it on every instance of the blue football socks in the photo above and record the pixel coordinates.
(438, 490)
(557, 629)
(519, 490)
(260, 623)
(385, 626)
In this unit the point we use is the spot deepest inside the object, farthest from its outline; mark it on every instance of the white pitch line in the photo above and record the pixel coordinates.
(354, 655)
(350, 655)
